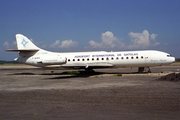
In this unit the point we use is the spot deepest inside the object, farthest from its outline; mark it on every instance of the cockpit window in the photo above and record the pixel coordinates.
(169, 55)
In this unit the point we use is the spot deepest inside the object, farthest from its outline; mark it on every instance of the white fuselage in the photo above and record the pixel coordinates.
(100, 59)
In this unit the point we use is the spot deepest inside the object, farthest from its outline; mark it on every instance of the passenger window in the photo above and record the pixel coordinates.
(127, 58)
(117, 58)
(102, 58)
(141, 57)
(83, 59)
(73, 59)
(97, 58)
(112, 58)
(78, 59)
(88, 59)
(107, 58)
(131, 57)
(92, 59)
(122, 58)
(68, 60)
(137, 57)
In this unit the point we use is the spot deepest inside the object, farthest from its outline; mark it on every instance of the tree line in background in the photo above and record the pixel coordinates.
(177, 59)
(8, 62)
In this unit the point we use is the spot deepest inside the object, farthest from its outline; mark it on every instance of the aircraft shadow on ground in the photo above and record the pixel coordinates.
(65, 75)
(82, 74)
(23, 73)
(79, 74)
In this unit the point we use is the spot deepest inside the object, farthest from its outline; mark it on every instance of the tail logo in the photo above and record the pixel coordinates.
(24, 42)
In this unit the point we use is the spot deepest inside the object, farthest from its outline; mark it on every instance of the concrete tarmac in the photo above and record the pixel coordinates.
(32, 93)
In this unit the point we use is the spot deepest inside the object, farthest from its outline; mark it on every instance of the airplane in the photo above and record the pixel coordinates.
(30, 54)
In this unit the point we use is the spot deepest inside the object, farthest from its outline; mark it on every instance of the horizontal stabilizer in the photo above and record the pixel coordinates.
(23, 50)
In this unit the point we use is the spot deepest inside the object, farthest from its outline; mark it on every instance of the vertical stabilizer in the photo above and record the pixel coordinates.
(23, 43)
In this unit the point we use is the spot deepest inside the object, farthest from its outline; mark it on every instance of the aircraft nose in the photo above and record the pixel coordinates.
(174, 59)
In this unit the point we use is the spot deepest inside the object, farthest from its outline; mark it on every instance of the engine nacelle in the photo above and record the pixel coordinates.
(54, 60)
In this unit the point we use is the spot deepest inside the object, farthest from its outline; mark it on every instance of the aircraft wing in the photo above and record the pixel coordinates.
(88, 65)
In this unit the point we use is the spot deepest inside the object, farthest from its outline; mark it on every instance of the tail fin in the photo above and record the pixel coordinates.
(23, 43)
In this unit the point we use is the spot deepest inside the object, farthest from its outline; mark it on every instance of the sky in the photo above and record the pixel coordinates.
(91, 25)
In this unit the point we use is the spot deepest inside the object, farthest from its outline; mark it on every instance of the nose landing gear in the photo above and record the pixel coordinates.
(143, 70)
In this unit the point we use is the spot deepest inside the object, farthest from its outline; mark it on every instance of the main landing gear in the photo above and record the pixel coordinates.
(89, 70)
(143, 70)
